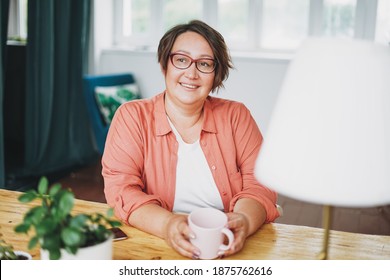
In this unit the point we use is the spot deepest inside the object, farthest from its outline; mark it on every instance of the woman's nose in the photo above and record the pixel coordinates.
(192, 72)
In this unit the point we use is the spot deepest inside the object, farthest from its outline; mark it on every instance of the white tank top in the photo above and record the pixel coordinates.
(195, 185)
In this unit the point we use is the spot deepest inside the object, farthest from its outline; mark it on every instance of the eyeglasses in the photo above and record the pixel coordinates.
(182, 61)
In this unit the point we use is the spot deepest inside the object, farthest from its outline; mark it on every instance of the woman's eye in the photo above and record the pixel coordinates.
(205, 64)
(182, 59)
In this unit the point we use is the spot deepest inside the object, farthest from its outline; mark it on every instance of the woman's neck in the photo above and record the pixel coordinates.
(187, 121)
(183, 118)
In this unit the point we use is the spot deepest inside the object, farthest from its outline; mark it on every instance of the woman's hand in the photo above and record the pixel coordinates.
(178, 234)
(248, 216)
(238, 223)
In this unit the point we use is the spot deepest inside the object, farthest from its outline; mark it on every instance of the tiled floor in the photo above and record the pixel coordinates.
(87, 183)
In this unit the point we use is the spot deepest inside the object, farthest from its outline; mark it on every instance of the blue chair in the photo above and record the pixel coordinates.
(99, 126)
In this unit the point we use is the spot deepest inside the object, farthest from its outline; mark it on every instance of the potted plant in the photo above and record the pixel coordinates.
(7, 252)
(60, 234)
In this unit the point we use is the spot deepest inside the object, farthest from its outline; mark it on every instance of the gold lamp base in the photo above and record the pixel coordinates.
(326, 221)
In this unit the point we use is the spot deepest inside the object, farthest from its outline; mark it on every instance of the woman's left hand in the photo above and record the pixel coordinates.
(238, 223)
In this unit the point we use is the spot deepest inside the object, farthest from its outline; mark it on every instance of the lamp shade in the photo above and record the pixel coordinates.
(328, 141)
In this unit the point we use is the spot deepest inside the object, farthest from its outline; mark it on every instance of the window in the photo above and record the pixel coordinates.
(382, 32)
(233, 20)
(17, 21)
(178, 11)
(255, 25)
(138, 15)
(285, 23)
(339, 18)
(133, 22)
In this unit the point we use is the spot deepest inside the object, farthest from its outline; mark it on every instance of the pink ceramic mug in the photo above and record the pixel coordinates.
(209, 227)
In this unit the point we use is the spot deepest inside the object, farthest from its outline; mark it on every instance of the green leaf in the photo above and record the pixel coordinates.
(78, 221)
(35, 215)
(54, 189)
(54, 254)
(100, 235)
(110, 212)
(71, 236)
(97, 218)
(28, 196)
(71, 250)
(33, 242)
(115, 223)
(46, 227)
(22, 228)
(43, 185)
(65, 204)
(52, 243)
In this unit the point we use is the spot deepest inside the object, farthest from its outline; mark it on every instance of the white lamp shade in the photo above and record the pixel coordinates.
(328, 141)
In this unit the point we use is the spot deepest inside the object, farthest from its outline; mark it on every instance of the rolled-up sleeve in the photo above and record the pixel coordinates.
(248, 140)
(123, 164)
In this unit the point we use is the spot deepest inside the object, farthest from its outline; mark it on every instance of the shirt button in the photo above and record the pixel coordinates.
(204, 143)
(213, 167)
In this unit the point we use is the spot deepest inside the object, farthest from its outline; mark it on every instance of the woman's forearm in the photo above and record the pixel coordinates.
(151, 218)
(253, 211)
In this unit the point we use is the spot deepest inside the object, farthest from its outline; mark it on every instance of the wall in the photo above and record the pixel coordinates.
(255, 81)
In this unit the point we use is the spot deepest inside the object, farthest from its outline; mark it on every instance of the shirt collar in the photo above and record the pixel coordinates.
(160, 116)
(209, 123)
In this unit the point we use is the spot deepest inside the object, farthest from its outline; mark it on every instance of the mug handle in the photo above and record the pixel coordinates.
(230, 237)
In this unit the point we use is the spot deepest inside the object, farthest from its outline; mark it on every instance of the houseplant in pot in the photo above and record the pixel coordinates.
(60, 234)
(7, 252)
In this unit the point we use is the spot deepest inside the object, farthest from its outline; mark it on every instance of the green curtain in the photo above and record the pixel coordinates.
(4, 7)
(58, 134)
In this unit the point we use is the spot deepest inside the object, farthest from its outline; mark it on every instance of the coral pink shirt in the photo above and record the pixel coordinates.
(140, 156)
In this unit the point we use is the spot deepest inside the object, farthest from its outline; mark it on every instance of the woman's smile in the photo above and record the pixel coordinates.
(189, 86)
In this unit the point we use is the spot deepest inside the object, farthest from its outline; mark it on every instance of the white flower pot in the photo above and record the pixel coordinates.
(23, 254)
(102, 251)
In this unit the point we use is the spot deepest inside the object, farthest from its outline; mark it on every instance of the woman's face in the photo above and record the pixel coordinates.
(189, 87)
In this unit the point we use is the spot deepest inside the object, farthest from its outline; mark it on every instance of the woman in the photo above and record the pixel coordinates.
(184, 149)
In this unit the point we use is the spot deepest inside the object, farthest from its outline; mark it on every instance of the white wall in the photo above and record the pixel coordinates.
(255, 81)
(102, 30)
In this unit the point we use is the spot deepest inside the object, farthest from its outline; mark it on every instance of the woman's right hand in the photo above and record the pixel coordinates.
(178, 234)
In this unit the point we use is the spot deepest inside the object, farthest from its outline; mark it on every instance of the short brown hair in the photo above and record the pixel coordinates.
(213, 37)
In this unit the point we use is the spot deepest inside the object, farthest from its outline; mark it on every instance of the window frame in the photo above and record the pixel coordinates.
(17, 31)
(364, 27)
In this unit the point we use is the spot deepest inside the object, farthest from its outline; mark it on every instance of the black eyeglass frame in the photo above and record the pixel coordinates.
(171, 55)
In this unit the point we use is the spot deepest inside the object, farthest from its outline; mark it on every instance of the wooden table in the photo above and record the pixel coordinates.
(273, 241)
